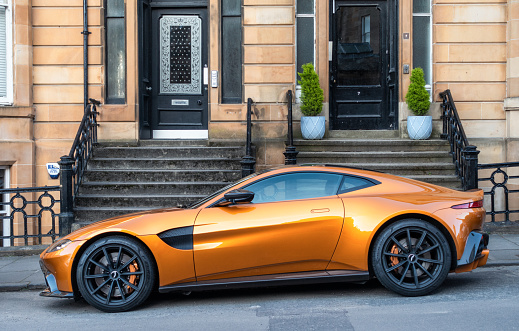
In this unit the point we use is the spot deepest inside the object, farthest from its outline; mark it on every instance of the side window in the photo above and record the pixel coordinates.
(351, 183)
(295, 186)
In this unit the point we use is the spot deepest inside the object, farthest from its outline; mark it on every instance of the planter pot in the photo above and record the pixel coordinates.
(419, 127)
(313, 127)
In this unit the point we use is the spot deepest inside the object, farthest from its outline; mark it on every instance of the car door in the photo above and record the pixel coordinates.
(292, 225)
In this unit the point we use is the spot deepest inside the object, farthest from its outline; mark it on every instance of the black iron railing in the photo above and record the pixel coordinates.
(464, 155)
(502, 185)
(32, 215)
(74, 164)
(290, 150)
(248, 162)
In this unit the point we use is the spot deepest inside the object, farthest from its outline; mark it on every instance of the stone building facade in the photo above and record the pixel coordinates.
(240, 49)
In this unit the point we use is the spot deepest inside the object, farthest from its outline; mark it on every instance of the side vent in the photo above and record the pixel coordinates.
(179, 238)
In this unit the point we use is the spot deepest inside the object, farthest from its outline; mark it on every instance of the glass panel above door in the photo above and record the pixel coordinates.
(358, 45)
(180, 55)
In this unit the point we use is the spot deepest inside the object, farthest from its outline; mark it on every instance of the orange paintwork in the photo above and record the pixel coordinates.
(331, 233)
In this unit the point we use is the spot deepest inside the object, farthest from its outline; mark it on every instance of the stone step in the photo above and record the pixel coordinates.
(163, 152)
(136, 201)
(85, 215)
(364, 134)
(405, 169)
(373, 157)
(161, 175)
(113, 188)
(450, 181)
(165, 163)
(363, 145)
(189, 143)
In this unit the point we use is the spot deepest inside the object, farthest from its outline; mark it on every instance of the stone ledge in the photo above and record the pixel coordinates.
(511, 104)
(16, 112)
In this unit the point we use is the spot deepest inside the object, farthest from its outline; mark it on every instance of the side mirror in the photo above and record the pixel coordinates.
(236, 196)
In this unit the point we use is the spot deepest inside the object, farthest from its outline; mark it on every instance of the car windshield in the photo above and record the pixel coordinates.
(211, 196)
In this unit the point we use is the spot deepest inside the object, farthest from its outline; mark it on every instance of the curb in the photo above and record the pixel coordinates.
(22, 250)
(21, 287)
(500, 264)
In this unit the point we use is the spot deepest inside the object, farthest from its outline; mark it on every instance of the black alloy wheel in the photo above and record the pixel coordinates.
(411, 257)
(115, 274)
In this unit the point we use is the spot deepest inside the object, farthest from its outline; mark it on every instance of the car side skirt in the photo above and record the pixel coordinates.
(299, 278)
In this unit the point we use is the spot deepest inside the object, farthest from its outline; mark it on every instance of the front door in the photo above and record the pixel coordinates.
(175, 87)
(363, 68)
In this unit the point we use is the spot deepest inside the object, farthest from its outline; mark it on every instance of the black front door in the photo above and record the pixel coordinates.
(175, 89)
(363, 68)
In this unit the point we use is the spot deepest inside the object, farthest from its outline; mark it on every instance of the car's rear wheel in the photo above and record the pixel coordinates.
(411, 257)
(115, 274)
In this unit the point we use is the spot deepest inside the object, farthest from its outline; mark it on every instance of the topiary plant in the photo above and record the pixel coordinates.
(312, 94)
(417, 97)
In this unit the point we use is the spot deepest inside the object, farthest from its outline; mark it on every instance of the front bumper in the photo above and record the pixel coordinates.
(475, 253)
(52, 285)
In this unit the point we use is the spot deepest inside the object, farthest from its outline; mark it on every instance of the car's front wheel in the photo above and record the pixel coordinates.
(115, 274)
(411, 257)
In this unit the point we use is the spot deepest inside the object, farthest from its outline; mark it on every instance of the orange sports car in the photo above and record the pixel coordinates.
(301, 224)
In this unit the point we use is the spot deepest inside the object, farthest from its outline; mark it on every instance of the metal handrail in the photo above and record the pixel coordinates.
(248, 162)
(86, 139)
(464, 155)
(73, 165)
(290, 150)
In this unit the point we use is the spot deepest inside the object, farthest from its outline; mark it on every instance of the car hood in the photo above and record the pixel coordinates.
(139, 224)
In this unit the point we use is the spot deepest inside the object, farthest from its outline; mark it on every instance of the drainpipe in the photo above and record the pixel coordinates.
(85, 34)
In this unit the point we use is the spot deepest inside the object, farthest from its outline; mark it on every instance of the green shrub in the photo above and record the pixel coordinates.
(417, 97)
(312, 94)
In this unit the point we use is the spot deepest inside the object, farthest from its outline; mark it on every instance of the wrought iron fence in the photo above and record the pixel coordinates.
(502, 184)
(32, 215)
(464, 155)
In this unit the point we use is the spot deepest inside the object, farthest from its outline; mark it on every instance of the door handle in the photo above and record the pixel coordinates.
(321, 210)
(148, 88)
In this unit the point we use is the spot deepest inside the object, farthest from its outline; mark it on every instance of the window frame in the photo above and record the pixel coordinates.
(108, 100)
(230, 99)
(428, 85)
(6, 226)
(298, 15)
(8, 99)
(366, 33)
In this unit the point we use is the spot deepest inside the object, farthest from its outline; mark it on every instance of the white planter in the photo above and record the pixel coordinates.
(419, 127)
(313, 127)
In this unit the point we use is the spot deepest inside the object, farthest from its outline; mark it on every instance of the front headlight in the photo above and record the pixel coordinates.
(60, 244)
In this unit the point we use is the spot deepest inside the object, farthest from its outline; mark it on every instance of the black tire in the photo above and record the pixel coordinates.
(121, 284)
(411, 257)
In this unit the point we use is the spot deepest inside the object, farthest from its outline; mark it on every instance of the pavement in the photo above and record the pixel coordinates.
(23, 271)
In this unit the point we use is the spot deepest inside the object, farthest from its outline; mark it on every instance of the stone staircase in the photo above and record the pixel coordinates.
(425, 160)
(154, 174)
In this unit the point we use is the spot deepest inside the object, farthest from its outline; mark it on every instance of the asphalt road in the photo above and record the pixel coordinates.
(486, 299)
